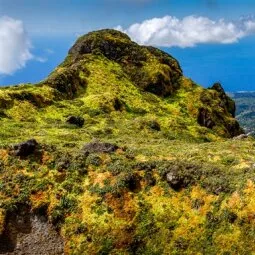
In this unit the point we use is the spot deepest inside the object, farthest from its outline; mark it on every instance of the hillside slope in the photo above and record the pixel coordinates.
(245, 102)
(126, 156)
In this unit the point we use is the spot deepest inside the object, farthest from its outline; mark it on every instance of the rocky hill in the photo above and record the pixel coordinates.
(116, 152)
(245, 102)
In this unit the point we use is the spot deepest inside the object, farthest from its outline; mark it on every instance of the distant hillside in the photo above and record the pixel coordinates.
(245, 109)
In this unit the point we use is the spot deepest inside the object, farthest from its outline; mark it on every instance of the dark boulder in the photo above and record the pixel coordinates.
(180, 174)
(174, 180)
(25, 149)
(95, 147)
(154, 125)
(76, 120)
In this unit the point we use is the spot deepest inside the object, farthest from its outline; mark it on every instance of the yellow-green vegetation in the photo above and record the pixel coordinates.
(176, 184)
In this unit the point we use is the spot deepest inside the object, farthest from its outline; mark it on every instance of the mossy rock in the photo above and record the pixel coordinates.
(149, 68)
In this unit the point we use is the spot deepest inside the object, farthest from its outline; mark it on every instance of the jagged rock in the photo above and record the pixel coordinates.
(226, 101)
(76, 120)
(95, 147)
(233, 128)
(205, 119)
(219, 111)
(24, 149)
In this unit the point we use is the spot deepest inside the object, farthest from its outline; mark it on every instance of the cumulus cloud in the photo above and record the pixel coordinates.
(170, 31)
(15, 45)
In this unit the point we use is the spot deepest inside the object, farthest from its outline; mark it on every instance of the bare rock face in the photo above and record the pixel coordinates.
(27, 234)
(205, 118)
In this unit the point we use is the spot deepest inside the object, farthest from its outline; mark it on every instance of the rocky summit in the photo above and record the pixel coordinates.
(119, 153)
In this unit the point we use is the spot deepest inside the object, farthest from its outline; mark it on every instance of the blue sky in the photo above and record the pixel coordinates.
(208, 49)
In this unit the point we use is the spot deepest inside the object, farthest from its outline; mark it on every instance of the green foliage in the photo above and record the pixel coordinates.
(66, 205)
(94, 160)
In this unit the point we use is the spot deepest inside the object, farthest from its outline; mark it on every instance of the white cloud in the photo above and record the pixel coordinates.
(170, 31)
(14, 45)
(41, 59)
(49, 51)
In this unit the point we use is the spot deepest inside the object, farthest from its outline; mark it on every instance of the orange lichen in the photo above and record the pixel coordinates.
(4, 155)
(123, 206)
